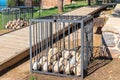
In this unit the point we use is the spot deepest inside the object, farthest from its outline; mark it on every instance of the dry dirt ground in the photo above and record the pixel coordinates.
(109, 71)
(99, 69)
(4, 31)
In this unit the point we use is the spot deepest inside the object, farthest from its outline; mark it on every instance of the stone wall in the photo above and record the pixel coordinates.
(112, 42)
(47, 3)
(111, 34)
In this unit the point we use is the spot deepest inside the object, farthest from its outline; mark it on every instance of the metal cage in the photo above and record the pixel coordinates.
(61, 45)
(16, 17)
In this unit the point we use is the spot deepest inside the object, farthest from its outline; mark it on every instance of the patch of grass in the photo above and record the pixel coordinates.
(33, 78)
(1, 21)
(77, 4)
(46, 12)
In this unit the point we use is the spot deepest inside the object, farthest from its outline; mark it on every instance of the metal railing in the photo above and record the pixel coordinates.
(14, 17)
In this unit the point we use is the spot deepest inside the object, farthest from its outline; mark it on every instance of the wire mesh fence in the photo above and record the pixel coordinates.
(61, 45)
(15, 18)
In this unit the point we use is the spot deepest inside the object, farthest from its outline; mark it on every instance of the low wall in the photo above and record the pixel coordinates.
(111, 33)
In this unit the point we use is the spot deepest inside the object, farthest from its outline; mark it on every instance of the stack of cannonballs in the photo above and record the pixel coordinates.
(65, 61)
(16, 24)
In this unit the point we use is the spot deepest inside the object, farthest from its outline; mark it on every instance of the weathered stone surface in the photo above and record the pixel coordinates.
(119, 45)
(117, 8)
(118, 36)
(109, 39)
(114, 14)
(112, 25)
(114, 53)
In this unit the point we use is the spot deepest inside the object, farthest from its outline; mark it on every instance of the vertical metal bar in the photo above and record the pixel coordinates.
(42, 33)
(60, 36)
(91, 41)
(86, 45)
(82, 49)
(63, 35)
(9, 14)
(28, 13)
(52, 32)
(57, 28)
(20, 13)
(49, 35)
(30, 39)
(36, 36)
(77, 33)
(3, 26)
(51, 40)
(63, 41)
(46, 27)
(39, 39)
(58, 24)
(88, 41)
(24, 13)
(16, 14)
(69, 43)
(34, 41)
(56, 38)
(73, 37)
(75, 47)
(76, 38)
(12, 14)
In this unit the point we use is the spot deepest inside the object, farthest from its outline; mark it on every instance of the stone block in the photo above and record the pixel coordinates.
(109, 39)
(112, 25)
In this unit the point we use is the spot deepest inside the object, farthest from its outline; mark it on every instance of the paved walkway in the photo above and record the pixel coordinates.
(14, 46)
(85, 10)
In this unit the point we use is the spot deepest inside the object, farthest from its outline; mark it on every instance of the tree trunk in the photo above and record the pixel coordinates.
(89, 2)
(17, 2)
(60, 6)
